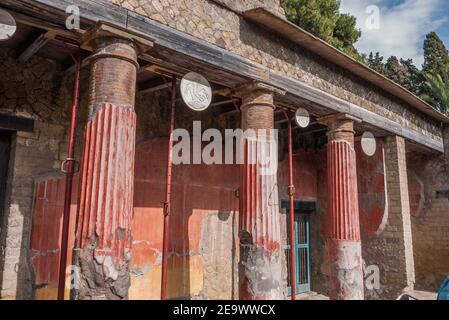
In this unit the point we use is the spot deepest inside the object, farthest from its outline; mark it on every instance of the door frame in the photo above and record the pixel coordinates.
(6, 137)
(304, 209)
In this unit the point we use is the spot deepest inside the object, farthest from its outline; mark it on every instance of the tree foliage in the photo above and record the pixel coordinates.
(436, 55)
(437, 84)
(323, 19)
(404, 73)
(436, 60)
(376, 62)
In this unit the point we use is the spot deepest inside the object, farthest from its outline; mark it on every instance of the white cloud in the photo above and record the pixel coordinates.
(403, 26)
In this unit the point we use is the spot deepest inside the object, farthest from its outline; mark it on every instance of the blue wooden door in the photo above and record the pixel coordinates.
(302, 250)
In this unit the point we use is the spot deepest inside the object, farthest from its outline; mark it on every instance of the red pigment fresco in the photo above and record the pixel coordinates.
(46, 233)
(371, 188)
(371, 185)
(198, 190)
(304, 175)
(415, 194)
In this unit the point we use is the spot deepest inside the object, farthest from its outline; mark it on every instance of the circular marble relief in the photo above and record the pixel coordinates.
(368, 143)
(302, 118)
(196, 91)
(7, 25)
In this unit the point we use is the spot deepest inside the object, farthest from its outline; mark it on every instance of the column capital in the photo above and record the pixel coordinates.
(113, 65)
(257, 105)
(247, 88)
(337, 118)
(97, 36)
(340, 126)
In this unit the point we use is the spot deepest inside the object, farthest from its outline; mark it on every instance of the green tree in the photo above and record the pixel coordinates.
(436, 55)
(437, 84)
(376, 62)
(323, 19)
(436, 58)
(403, 72)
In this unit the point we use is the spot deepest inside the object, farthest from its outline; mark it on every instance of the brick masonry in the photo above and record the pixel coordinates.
(430, 223)
(392, 249)
(221, 25)
(37, 90)
(106, 195)
(34, 90)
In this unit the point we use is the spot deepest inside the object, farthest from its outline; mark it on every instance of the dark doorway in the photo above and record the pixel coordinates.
(5, 149)
(303, 210)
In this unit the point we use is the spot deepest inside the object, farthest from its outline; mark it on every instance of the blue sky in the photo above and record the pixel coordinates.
(403, 25)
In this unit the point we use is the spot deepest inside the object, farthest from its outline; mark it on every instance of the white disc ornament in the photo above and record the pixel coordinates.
(302, 118)
(196, 91)
(7, 25)
(368, 143)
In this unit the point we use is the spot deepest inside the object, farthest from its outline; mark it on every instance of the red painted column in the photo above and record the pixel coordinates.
(343, 239)
(105, 208)
(259, 265)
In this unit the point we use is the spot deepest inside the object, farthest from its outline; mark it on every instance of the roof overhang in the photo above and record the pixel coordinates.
(317, 46)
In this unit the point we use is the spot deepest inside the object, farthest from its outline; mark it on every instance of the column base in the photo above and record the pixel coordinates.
(346, 270)
(100, 278)
(260, 272)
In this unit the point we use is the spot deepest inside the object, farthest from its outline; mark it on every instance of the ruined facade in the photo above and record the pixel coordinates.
(384, 214)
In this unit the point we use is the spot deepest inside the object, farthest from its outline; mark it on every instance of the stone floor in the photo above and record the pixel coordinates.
(423, 295)
(420, 295)
(311, 296)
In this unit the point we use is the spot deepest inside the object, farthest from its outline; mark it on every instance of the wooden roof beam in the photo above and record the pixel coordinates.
(39, 42)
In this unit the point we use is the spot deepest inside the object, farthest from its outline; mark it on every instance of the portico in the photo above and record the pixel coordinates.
(229, 231)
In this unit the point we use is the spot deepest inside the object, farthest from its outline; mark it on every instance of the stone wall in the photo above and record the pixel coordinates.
(391, 249)
(430, 223)
(33, 90)
(243, 5)
(219, 25)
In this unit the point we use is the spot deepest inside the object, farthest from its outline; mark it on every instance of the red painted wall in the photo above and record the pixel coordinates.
(371, 185)
(371, 189)
(46, 233)
(198, 191)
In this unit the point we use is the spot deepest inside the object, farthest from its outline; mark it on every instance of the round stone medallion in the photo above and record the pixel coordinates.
(196, 91)
(7, 25)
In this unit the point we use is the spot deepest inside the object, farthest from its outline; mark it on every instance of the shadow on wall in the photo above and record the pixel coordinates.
(202, 246)
(202, 228)
(430, 219)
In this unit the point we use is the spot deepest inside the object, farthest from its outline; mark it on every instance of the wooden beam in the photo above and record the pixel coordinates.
(85, 63)
(34, 22)
(298, 88)
(292, 32)
(35, 46)
(103, 29)
(155, 88)
(14, 123)
(223, 103)
(216, 63)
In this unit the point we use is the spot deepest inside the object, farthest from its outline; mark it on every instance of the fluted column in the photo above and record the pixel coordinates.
(343, 238)
(105, 208)
(260, 264)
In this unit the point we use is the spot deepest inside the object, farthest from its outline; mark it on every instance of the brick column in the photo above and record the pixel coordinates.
(103, 237)
(260, 257)
(397, 235)
(343, 238)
